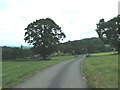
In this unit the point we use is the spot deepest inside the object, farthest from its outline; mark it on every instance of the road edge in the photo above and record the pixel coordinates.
(82, 70)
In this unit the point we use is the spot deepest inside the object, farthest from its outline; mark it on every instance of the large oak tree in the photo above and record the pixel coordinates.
(44, 35)
(109, 31)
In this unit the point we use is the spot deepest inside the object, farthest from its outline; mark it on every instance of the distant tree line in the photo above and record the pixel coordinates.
(88, 45)
(11, 53)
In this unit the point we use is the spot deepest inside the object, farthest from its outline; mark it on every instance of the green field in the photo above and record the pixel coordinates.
(101, 70)
(15, 72)
(103, 54)
(0, 74)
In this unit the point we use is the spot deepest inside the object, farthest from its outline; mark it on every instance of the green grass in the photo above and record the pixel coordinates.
(15, 72)
(0, 74)
(101, 71)
(103, 54)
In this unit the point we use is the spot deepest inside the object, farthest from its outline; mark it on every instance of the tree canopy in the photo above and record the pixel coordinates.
(108, 31)
(44, 35)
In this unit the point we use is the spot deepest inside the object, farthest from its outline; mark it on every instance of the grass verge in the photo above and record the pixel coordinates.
(101, 71)
(15, 72)
(0, 74)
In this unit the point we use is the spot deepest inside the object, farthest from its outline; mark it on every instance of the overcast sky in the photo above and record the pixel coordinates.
(77, 18)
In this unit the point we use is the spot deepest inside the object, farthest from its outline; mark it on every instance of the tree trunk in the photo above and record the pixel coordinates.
(44, 57)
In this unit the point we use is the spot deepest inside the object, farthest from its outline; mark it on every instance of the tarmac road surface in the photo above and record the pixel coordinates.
(66, 74)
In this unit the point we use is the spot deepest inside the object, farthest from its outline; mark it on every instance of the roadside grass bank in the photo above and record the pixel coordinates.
(14, 72)
(0, 74)
(101, 70)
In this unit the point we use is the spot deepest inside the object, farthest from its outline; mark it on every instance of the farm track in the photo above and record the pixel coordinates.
(66, 74)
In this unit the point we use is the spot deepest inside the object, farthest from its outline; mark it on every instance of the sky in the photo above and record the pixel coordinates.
(77, 18)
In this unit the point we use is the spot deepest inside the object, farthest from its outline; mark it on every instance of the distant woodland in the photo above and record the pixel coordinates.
(88, 45)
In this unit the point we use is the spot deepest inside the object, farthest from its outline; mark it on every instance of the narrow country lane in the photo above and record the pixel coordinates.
(66, 74)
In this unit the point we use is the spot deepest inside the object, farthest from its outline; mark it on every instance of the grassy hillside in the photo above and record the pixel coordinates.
(16, 71)
(101, 70)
